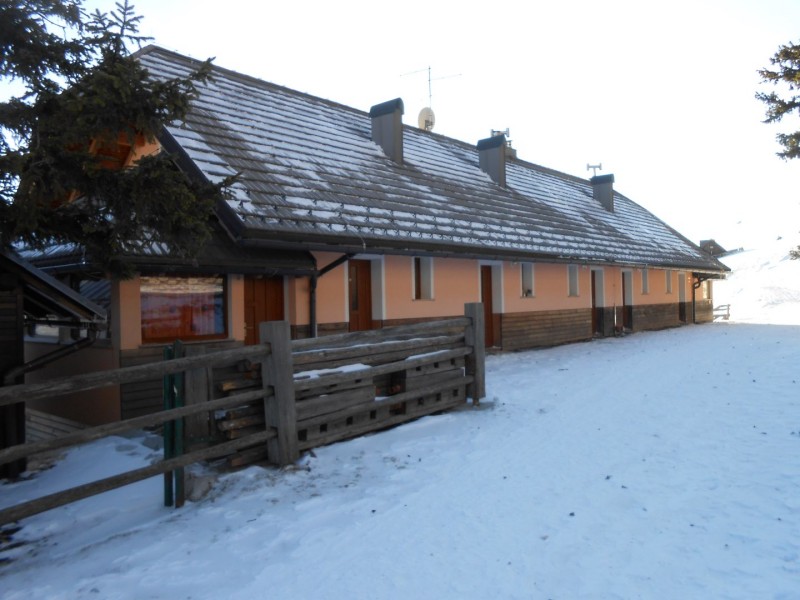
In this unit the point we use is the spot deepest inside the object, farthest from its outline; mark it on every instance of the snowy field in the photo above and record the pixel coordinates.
(659, 465)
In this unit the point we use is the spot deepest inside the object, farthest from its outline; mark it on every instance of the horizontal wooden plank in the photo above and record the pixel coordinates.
(363, 374)
(45, 503)
(385, 422)
(40, 426)
(379, 403)
(330, 403)
(241, 422)
(359, 352)
(445, 327)
(247, 456)
(97, 379)
(96, 433)
(243, 411)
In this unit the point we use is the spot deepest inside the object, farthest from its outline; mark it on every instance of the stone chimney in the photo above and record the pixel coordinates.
(387, 128)
(603, 190)
(492, 157)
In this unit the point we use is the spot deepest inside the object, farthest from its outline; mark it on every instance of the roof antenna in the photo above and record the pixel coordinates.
(595, 168)
(426, 118)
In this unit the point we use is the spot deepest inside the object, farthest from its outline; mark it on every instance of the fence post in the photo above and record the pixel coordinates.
(279, 406)
(169, 430)
(197, 390)
(476, 362)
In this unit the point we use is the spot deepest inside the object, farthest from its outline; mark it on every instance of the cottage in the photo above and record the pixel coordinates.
(343, 220)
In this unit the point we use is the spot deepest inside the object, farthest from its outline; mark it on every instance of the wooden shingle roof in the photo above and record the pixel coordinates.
(311, 177)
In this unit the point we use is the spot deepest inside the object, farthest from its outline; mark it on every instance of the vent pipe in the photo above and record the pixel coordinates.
(603, 190)
(492, 158)
(387, 128)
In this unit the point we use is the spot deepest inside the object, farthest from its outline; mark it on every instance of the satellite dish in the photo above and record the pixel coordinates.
(426, 119)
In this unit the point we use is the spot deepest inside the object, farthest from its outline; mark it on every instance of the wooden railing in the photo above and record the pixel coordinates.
(290, 396)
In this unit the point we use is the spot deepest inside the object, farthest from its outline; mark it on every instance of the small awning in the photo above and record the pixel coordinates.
(45, 295)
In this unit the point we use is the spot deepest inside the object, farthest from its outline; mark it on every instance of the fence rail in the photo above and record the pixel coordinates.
(273, 400)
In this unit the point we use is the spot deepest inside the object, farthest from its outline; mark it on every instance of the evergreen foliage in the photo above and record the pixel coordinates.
(82, 95)
(785, 72)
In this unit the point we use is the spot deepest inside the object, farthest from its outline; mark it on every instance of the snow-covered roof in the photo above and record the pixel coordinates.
(311, 176)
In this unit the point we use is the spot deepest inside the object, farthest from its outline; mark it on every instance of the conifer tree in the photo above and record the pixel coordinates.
(785, 72)
(82, 94)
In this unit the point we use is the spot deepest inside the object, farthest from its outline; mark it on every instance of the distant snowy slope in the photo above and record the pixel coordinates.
(764, 286)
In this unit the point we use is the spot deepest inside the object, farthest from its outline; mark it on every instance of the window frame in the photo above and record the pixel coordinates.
(527, 280)
(645, 281)
(573, 281)
(219, 305)
(422, 278)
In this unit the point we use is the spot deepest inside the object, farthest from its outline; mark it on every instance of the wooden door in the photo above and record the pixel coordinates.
(627, 300)
(488, 308)
(597, 302)
(263, 301)
(682, 297)
(360, 290)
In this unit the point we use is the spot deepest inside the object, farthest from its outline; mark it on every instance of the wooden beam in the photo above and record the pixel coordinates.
(101, 431)
(476, 362)
(279, 407)
(78, 383)
(34, 507)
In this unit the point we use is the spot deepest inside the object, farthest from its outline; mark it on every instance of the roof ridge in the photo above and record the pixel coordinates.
(250, 79)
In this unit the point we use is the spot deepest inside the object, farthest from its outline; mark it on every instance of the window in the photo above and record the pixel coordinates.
(422, 267)
(668, 275)
(526, 279)
(185, 308)
(572, 275)
(645, 282)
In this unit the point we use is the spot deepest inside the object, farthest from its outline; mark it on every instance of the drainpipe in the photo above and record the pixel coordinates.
(312, 310)
(37, 363)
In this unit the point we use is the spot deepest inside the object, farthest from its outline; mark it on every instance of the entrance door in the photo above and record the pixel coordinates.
(488, 307)
(682, 297)
(360, 290)
(263, 301)
(597, 302)
(627, 300)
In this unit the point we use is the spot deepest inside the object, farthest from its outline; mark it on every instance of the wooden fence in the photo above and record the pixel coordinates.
(273, 400)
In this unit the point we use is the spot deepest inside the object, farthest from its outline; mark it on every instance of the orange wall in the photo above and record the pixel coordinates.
(331, 293)
(126, 314)
(550, 288)
(455, 282)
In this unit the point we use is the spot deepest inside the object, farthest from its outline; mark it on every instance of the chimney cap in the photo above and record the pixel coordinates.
(492, 142)
(602, 179)
(387, 108)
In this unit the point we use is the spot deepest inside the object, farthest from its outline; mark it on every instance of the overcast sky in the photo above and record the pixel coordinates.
(662, 94)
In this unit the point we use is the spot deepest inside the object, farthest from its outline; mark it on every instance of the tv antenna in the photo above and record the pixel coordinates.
(426, 118)
(594, 168)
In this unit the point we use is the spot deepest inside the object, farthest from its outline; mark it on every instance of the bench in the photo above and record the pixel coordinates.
(723, 311)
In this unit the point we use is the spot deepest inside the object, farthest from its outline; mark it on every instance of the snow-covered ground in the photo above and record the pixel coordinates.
(659, 465)
(764, 286)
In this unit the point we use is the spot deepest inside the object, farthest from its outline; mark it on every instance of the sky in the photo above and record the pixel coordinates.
(661, 94)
